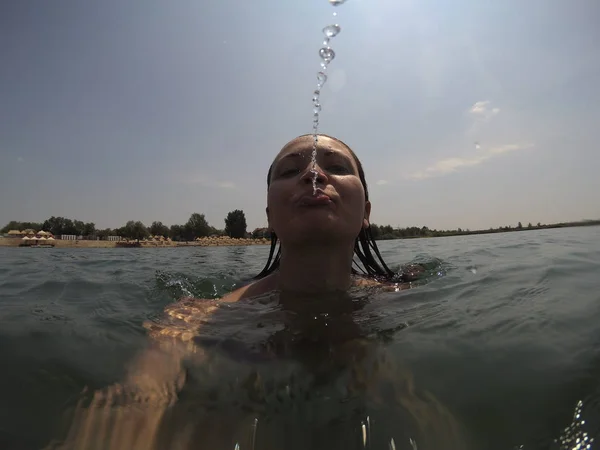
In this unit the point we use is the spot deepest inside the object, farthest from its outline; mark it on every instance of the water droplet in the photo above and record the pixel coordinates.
(254, 433)
(337, 2)
(332, 30)
(321, 78)
(317, 92)
(327, 54)
(364, 434)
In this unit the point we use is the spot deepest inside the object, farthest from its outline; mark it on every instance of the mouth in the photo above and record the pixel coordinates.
(320, 199)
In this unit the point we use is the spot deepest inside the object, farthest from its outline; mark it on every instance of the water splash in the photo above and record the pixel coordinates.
(254, 433)
(574, 437)
(365, 427)
(327, 54)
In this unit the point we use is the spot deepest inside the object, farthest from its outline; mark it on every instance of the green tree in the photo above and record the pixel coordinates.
(134, 230)
(79, 226)
(103, 234)
(375, 231)
(89, 229)
(158, 229)
(177, 232)
(235, 224)
(69, 227)
(55, 225)
(519, 226)
(196, 226)
(260, 233)
(12, 225)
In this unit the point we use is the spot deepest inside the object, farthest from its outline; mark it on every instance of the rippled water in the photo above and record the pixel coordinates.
(501, 349)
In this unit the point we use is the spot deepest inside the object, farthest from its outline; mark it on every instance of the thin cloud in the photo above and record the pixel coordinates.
(381, 182)
(482, 110)
(450, 165)
(479, 107)
(480, 115)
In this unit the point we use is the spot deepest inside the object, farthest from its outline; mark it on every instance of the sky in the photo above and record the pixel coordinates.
(470, 113)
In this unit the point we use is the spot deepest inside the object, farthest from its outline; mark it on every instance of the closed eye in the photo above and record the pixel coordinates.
(339, 169)
(289, 172)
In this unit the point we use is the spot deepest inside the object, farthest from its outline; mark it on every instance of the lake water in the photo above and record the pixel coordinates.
(504, 343)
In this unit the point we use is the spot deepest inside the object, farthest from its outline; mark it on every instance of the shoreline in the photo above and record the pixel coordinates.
(207, 242)
(224, 241)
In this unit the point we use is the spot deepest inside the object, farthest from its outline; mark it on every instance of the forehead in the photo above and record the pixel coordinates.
(304, 146)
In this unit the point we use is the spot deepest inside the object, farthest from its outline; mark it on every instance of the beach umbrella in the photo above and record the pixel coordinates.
(26, 238)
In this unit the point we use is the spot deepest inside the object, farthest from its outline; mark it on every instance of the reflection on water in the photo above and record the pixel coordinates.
(269, 372)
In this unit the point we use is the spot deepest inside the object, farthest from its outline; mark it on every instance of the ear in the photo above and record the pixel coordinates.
(367, 214)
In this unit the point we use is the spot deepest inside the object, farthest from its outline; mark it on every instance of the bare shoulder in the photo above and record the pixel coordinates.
(253, 289)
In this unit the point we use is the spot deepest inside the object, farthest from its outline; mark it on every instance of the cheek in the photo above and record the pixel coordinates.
(276, 203)
(353, 192)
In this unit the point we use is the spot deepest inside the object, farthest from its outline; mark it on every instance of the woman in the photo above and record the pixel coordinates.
(307, 329)
(319, 233)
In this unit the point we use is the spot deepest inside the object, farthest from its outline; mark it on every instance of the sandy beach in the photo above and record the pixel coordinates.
(203, 242)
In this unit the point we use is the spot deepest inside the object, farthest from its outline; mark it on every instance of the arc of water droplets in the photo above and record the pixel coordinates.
(327, 55)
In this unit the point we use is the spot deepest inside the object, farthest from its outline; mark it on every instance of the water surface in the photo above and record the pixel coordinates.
(505, 343)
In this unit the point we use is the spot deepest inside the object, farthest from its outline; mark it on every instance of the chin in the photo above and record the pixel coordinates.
(321, 231)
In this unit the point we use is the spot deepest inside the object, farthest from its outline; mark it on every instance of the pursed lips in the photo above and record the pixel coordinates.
(320, 199)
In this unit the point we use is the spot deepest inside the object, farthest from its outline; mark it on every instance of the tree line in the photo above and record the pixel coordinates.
(196, 226)
(388, 232)
(235, 227)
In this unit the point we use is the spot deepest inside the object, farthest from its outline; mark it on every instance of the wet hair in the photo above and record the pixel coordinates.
(365, 248)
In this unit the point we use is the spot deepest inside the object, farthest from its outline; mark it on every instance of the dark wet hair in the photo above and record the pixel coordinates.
(365, 248)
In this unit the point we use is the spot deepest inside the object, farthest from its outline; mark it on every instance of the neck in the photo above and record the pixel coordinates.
(316, 269)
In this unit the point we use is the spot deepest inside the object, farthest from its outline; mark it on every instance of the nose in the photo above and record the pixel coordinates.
(309, 174)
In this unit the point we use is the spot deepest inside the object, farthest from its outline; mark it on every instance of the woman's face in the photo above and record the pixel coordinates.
(337, 212)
